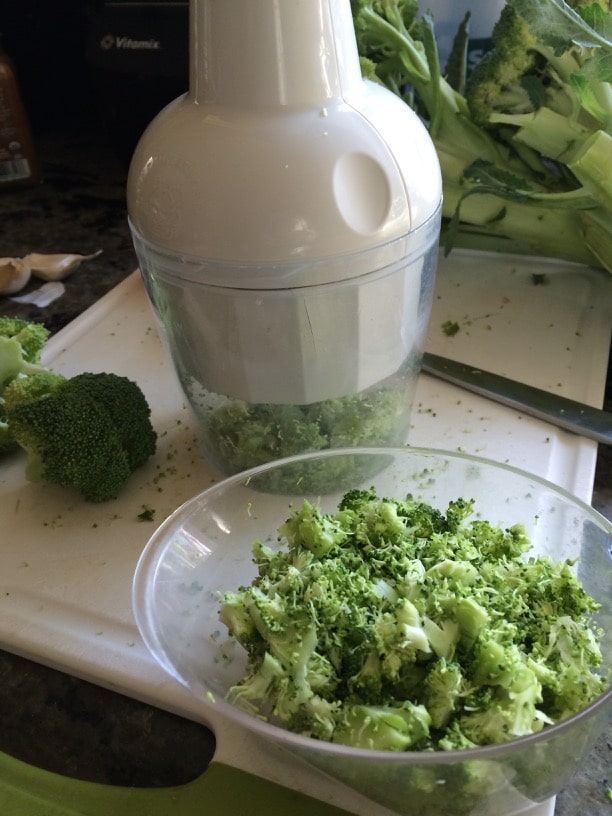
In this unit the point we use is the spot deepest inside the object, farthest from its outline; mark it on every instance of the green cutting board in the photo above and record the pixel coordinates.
(29, 791)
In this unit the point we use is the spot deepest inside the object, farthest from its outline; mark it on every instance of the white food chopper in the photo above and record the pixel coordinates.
(286, 216)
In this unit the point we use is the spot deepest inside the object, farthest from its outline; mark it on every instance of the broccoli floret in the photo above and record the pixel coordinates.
(472, 618)
(571, 657)
(502, 718)
(311, 529)
(383, 728)
(511, 695)
(399, 638)
(455, 740)
(124, 402)
(21, 343)
(316, 718)
(496, 82)
(544, 90)
(74, 433)
(523, 74)
(443, 636)
(31, 338)
(236, 617)
(356, 498)
(255, 691)
(268, 621)
(441, 690)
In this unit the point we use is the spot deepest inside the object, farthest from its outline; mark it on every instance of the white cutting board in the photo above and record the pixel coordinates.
(67, 566)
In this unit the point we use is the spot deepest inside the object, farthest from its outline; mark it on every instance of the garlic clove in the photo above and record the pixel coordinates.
(14, 275)
(57, 266)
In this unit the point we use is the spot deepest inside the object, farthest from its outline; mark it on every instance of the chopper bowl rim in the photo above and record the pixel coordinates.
(291, 267)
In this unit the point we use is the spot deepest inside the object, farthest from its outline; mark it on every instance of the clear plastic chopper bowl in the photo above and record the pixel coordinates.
(205, 548)
(299, 356)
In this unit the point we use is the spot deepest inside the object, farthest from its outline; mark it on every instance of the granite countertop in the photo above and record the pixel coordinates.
(62, 723)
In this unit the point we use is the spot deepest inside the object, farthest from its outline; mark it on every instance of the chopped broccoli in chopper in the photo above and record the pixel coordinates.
(244, 435)
(390, 625)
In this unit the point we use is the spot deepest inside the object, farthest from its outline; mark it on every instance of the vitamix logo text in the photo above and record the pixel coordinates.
(121, 42)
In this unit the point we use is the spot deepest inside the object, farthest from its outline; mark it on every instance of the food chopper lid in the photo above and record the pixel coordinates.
(281, 154)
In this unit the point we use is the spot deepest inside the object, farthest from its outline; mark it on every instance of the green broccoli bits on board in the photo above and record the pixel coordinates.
(390, 625)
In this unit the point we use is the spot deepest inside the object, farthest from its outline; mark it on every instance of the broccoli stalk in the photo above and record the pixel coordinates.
(509, 175)
(545, 86)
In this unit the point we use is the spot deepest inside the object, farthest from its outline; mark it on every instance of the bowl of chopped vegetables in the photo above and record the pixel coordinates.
(436, 636)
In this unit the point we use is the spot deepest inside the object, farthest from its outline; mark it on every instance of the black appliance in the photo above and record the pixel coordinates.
(138, 55)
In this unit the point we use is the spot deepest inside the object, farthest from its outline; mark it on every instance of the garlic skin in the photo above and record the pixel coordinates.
(15, 273)
(55, 267)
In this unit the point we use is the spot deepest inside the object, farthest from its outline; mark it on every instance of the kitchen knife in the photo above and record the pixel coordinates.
(585, 420)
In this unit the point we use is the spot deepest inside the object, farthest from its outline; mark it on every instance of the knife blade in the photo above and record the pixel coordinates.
(593, 423)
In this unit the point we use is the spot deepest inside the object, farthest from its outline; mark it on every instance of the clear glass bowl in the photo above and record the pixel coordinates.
(205, 548)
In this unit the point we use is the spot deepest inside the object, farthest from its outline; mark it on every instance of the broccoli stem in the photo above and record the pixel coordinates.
(549, 133)
(596, 228)
(589, 165)
(537, 229)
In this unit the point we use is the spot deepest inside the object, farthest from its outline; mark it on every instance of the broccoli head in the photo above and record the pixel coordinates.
(537, 67)
(496, 82)
(89, 432)
(127, 407)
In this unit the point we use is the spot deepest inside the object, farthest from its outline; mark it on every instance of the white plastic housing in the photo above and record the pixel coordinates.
(280, 150)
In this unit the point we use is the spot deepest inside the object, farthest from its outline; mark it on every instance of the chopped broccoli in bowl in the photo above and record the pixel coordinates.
(391, 626)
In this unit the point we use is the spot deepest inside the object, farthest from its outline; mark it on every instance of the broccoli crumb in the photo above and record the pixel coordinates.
(147, 514)
(450, 328)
